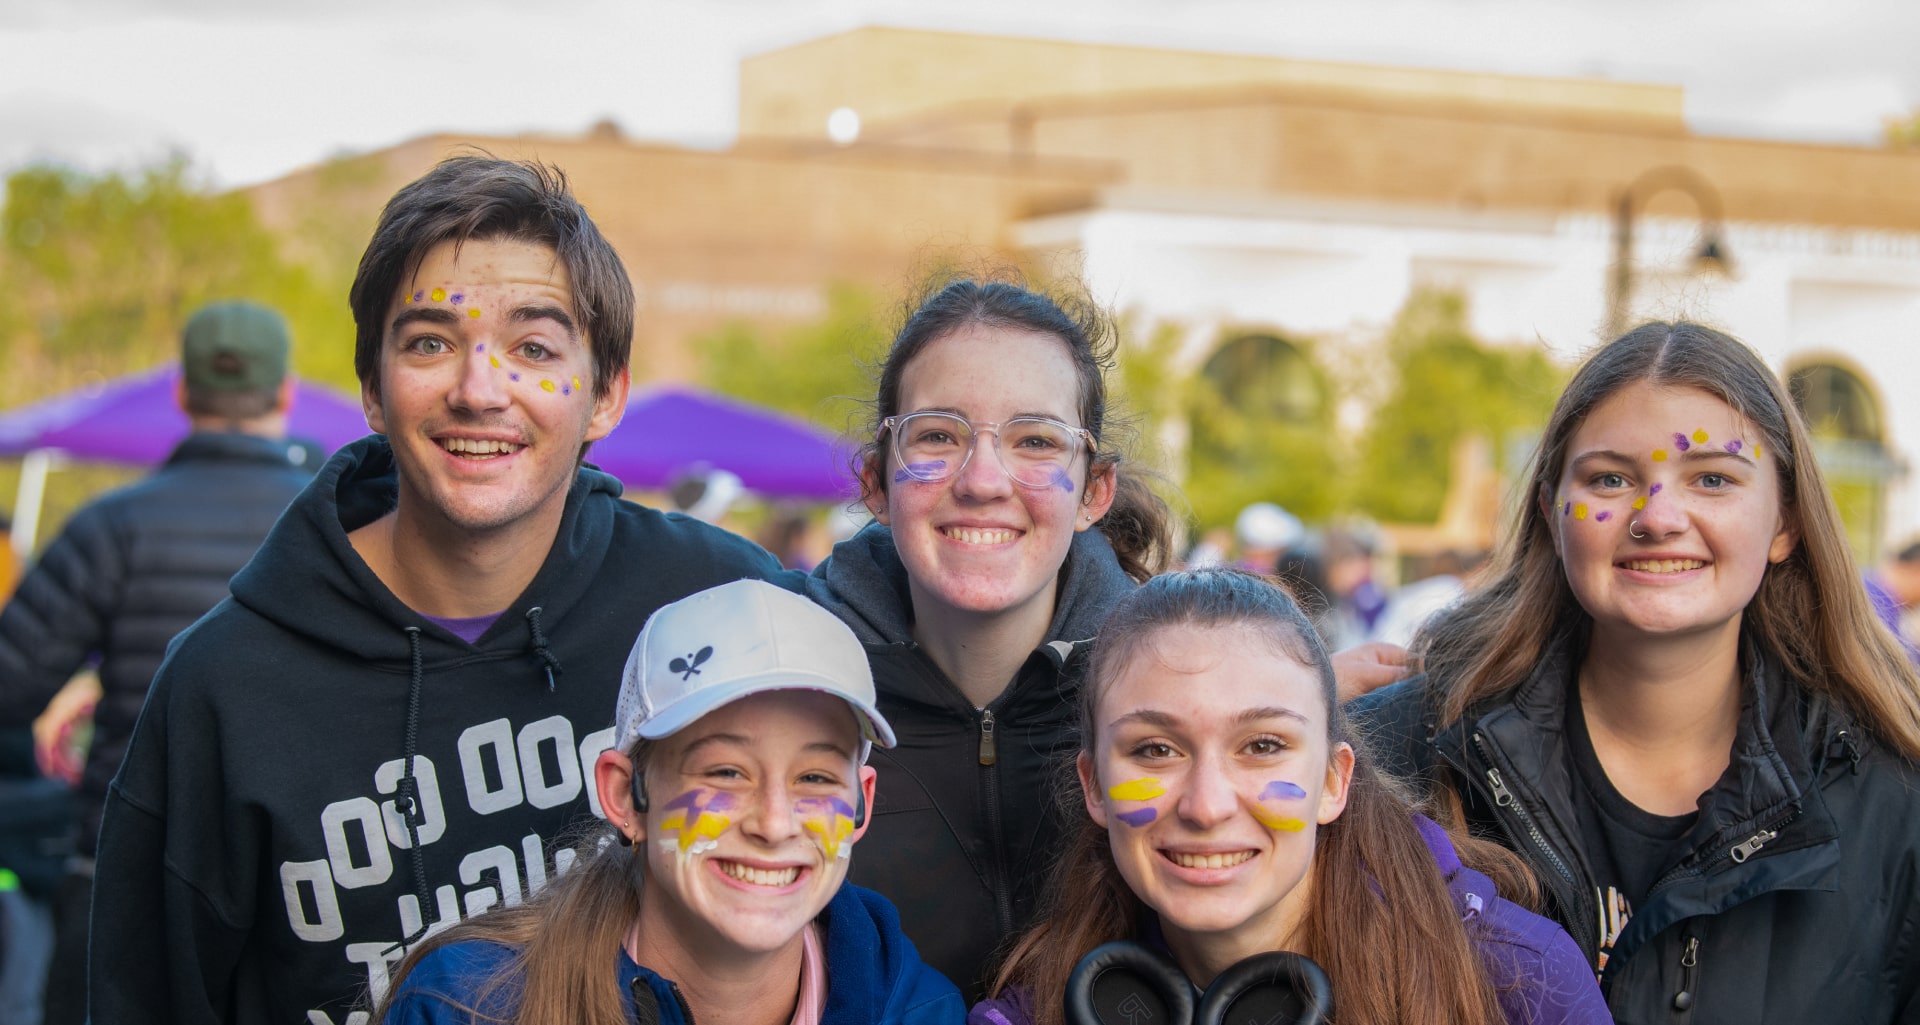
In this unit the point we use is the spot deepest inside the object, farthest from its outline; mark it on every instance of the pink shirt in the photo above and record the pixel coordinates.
(813, 978)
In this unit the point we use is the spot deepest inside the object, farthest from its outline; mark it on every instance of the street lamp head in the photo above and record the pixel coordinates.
(1712, 257)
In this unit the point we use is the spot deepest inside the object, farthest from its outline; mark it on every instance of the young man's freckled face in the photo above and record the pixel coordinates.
(480, 445)
(1212, 773)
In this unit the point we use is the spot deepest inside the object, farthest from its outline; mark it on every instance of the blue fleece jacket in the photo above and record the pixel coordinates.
(874, 976)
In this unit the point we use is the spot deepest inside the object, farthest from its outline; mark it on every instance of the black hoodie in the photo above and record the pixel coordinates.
(255, 864)
(966, 812)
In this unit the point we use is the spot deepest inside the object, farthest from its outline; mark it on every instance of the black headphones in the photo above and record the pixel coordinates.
(1124, 983)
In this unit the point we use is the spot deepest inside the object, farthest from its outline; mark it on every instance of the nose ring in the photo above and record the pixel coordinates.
(1634, 531)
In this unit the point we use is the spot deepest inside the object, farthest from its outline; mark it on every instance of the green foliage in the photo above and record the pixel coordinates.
(1904, 132)
(1446, 386)
(1256, 440)
(102, 270)
(820, 371)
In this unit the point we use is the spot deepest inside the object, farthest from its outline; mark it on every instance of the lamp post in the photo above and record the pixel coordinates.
(1711, 256)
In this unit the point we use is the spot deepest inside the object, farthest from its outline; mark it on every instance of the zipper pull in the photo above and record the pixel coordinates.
(1746, 848)
(1501, 795)
(1689, 959)
(987, 753)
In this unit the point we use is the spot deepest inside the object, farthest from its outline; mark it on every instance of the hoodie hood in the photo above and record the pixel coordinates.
(865, 584)
(341, 603)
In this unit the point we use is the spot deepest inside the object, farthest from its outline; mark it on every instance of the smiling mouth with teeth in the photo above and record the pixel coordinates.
(761, 877)
(475, 448)
(1207, 860)
(979, 535)
(1664, 565)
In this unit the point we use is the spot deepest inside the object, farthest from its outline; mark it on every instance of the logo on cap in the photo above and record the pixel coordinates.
(689, 667)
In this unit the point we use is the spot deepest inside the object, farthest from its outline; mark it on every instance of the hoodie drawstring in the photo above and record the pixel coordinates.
(410, 789)
(547, 657)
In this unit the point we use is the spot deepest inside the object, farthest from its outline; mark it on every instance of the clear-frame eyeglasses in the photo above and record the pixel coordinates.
(1035, 451)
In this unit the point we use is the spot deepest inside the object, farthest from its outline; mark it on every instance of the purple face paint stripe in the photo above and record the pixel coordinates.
(1281, 789)
(1060, 478)
(918, 471)
(705, 800)
(832, 804)
(1137, 818)
(1733, 447)
(1654, 490)
(1604, 516)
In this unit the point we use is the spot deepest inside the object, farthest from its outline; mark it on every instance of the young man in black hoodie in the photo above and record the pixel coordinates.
(396, 715)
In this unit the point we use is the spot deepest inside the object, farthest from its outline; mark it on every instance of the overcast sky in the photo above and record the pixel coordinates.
(250, 89)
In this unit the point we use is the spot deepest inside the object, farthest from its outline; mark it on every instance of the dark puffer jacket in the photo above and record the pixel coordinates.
(131, 570)
(1798, 897)
(966, 814)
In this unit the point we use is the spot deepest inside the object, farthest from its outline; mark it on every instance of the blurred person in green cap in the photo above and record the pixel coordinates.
(135, 567)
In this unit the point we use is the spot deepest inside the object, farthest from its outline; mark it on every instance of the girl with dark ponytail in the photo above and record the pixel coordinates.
(1009, 523)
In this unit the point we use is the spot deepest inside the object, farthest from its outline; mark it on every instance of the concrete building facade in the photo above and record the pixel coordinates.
(1224, 195)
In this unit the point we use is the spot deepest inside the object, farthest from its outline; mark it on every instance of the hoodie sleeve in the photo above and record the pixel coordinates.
(163, 946)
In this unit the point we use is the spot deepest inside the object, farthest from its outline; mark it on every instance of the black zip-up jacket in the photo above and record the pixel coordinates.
(130, 570)
(967, 813)
(1798, 900)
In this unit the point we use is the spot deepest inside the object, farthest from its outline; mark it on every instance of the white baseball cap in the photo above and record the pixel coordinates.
(735, 640)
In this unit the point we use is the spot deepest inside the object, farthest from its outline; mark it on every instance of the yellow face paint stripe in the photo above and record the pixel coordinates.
(1146, 788)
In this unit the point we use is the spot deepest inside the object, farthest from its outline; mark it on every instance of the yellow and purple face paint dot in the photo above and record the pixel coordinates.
(1146, 788)
(830, 821)
(1279, 790)
(695, 820)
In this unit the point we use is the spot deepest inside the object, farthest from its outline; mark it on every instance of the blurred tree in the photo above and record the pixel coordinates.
(823, 371)
(1444, 385)
(1904, 131)
(102, 270)
(1261, 412)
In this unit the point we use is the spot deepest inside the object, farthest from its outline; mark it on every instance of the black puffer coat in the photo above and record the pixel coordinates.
(1799, 898)
(966, 814)
(131, 570)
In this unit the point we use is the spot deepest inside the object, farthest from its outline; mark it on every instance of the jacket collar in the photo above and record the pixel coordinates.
(865, 584)
(237, 447)
(1769, 796)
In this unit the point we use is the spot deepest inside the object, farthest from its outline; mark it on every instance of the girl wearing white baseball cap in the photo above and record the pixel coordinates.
(735, 793)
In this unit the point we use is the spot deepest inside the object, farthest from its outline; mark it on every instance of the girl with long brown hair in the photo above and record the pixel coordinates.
(1230, 812)
(736, 790)
(1674, 700)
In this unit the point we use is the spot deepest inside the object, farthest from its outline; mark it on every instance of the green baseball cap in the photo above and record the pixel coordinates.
(235, 347)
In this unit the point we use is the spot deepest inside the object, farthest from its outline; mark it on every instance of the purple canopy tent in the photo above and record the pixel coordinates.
(135, 420)
(670, 431)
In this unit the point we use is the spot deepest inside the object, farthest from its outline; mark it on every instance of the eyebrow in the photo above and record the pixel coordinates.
(1162, 720)
(1697, 453)
(544, 311)
(817, 747)
(422, 314)
(956, 411)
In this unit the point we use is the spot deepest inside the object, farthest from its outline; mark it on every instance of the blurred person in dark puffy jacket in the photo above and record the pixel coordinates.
(140, 564)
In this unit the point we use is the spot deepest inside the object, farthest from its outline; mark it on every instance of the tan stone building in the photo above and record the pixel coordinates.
(1249, 197)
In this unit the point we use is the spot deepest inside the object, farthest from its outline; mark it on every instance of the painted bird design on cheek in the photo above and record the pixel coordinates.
(1146, 788)
(1278, 790)
(830, 821)
(695, 820)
